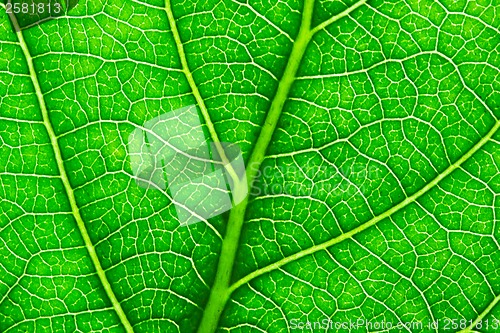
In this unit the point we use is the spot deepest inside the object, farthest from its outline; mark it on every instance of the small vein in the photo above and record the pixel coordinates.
(65, 180)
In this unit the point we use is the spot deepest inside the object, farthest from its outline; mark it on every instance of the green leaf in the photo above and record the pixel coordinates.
(370, 134)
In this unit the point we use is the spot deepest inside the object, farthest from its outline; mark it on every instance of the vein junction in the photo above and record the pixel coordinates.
(221, 289)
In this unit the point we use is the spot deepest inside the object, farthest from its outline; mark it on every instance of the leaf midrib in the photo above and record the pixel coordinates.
(221, 289)
(65, 180)
(219, 294)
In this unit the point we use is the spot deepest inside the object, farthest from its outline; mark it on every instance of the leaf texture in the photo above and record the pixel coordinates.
(371, 137)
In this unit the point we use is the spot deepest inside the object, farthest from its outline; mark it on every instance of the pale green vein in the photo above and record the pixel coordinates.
(197, 94)
(373, 221)
(221, 290)
(337, 17)
(65, 180)
(480, 318)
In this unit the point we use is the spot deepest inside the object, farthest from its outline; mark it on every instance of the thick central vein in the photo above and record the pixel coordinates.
(65, 180)
(220, 291)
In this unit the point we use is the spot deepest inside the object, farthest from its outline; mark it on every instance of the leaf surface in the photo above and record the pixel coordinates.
(370, 134)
